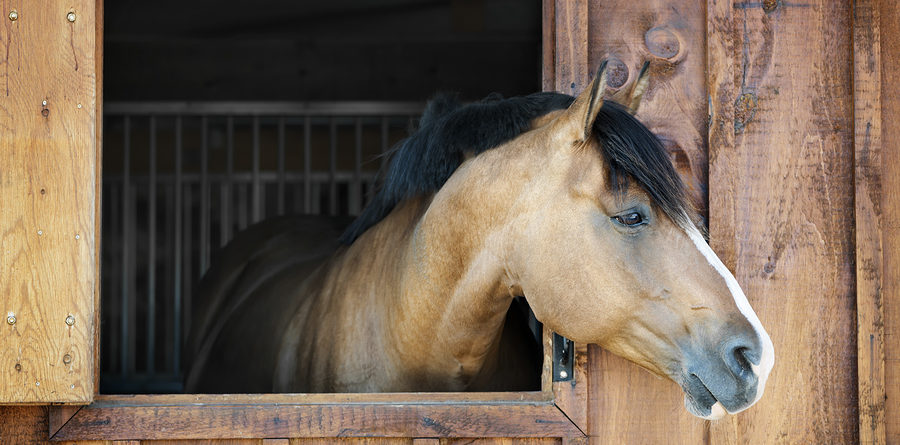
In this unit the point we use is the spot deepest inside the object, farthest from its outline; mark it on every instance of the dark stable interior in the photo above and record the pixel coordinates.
(163, 52)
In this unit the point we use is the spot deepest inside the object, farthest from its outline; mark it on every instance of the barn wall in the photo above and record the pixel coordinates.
(786, 92)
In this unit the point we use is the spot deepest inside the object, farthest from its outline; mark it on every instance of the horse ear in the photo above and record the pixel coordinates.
(581, 114)
(638, 88)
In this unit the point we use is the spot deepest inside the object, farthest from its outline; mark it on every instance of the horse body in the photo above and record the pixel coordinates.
(573, 205)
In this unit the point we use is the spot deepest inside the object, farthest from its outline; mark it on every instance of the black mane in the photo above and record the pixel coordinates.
(448, 130)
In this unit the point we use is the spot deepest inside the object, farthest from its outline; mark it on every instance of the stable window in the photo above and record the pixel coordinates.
(189, 159)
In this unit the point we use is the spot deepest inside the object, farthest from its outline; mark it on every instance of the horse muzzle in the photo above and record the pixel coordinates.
(726, 379)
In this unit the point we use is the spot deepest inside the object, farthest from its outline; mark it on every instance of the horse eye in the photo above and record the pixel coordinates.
(631, 219)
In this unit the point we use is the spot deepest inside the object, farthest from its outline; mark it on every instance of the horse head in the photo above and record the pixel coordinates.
(606, 250)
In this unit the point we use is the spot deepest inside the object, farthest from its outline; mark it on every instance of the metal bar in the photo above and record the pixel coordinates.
(281, 168)
(242, 206)
(226, 188)
(111, 306)
(151, 254)
(332, 168)
(307, 168)
(342, 176)
(176, 296)
(166, 300)
(350, 108)
(184, 327)
(204, 194)
(255, 203)
(385, 131)
(356, 189)
(126, 249)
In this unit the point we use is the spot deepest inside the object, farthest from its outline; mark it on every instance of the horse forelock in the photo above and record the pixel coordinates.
(448, 131)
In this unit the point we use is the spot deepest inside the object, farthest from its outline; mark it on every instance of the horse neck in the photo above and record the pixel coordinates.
(451, 292)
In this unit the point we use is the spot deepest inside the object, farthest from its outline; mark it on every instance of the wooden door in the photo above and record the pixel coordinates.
(49, 200)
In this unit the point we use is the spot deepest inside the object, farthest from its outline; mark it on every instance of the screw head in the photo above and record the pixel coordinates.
(10, 319)
(67, 359)
(70, 320)
(14, 15)
(44, 102)
(70, 16)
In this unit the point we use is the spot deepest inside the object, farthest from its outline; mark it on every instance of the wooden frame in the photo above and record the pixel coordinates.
(558, 410)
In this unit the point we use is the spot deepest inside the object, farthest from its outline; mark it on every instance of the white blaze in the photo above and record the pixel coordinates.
(767, 357)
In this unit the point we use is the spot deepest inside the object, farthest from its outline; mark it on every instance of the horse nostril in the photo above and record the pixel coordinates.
(740, 359)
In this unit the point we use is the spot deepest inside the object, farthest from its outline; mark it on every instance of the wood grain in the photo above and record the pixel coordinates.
(890, 205)
(672, 36)
(868, 185)
(627, 404)
(781, 201)
(48, 184)
(125, 421)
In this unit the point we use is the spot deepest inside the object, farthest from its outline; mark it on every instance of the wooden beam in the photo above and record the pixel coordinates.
(121, 419)
(889, 30)
(869, 254)
(781, 201)
(58, 416)
(49, 215)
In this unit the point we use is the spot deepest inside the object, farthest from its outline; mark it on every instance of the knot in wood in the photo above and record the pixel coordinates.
(616, 73)
(662, 42)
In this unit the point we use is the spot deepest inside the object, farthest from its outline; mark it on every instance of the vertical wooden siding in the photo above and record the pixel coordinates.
(781, 199)
(48, 201)
(889, 224)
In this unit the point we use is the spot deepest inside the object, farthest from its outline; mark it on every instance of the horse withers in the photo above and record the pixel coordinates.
(571, 203)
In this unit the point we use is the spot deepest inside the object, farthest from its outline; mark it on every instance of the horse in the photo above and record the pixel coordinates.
(570, 203)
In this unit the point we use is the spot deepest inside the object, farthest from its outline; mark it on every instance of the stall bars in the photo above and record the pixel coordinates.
(181, 178)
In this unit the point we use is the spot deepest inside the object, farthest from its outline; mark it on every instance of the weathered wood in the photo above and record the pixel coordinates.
(166, 420)
(890, 205)
(48, 189)
(627, 404)
(868, 185)
(571, 396)
(781, 203)
(58, 416)
(672, 36)
(571, 69)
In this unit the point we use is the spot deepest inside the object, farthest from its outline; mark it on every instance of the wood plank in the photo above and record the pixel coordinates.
(571, 70)
(572, 396)
(548, 45)
(48, 220)
(58, 416)
(139, 400)
(869, 254)
(780, 218)
(354, 441)
(890, 204)
(112, 421)
(627, 404)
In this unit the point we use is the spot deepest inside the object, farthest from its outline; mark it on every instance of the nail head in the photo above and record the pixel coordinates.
(70, 17)
(563, 374)
(40, 232)
(70, 320)
(44, 103)
(67, 359)
(11, 320)
(14, 15)
(79, 106)
(77, 236)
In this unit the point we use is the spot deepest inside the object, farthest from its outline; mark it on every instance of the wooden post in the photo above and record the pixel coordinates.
(781, 207)
(49, 200)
